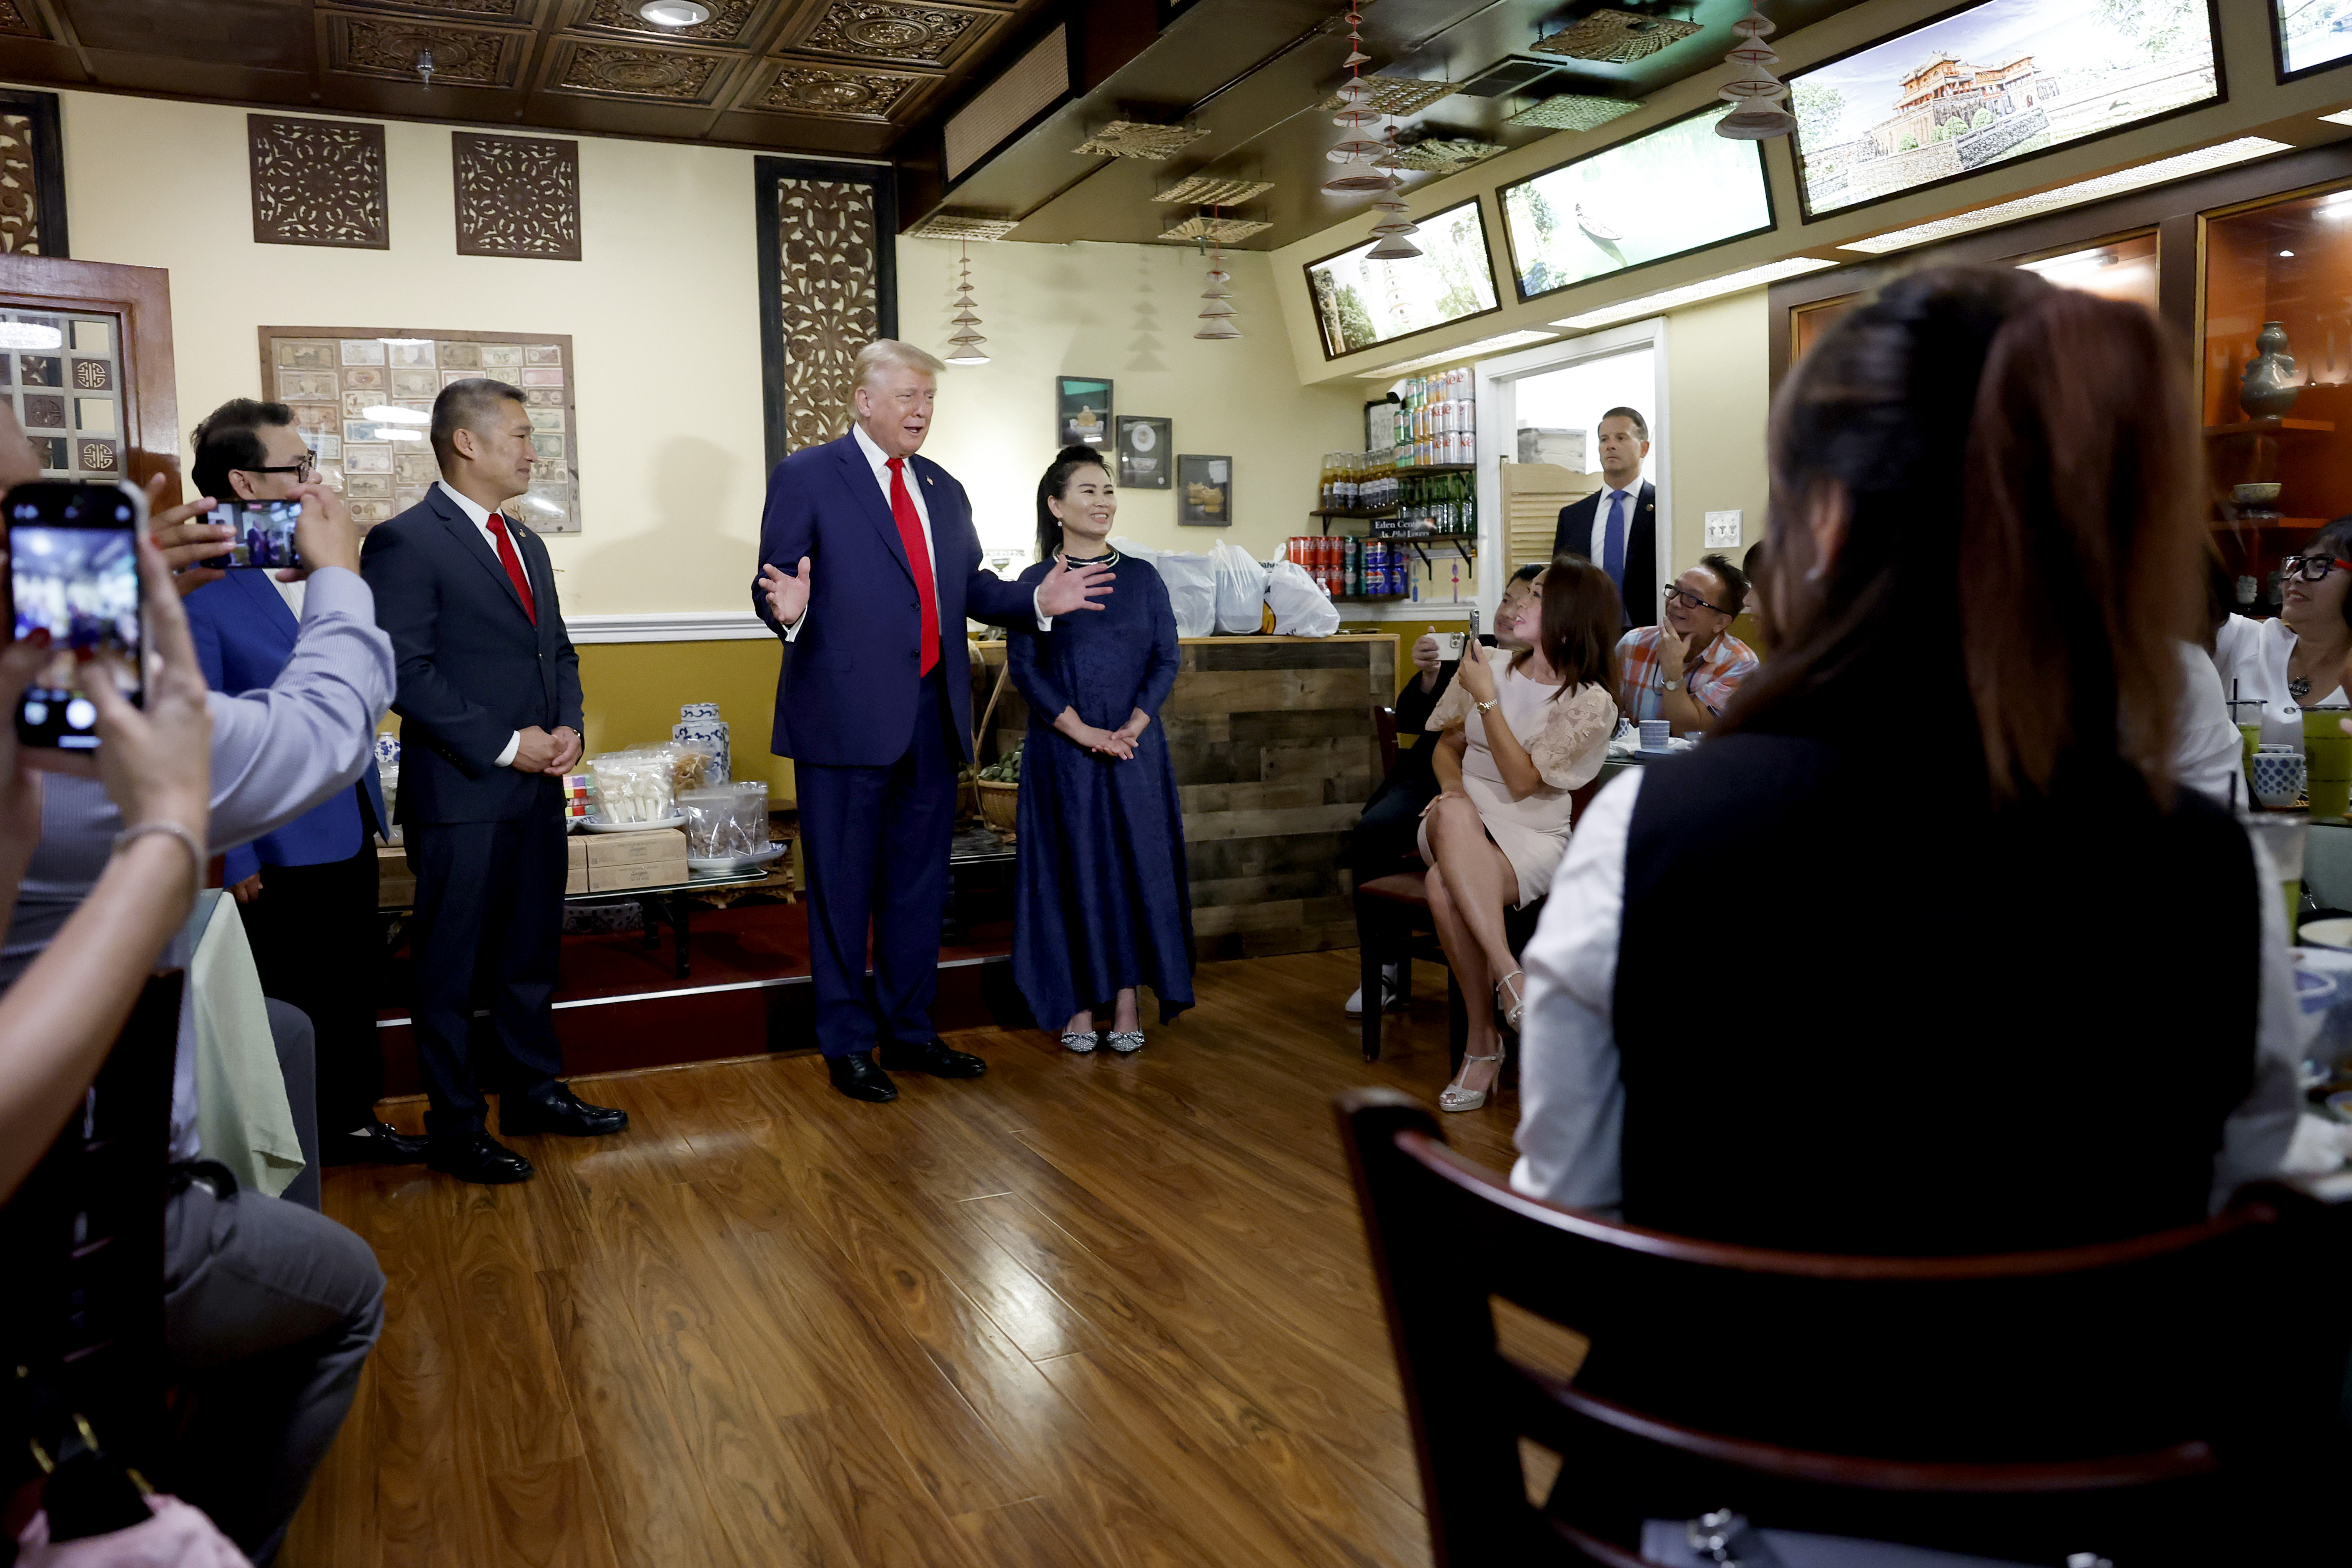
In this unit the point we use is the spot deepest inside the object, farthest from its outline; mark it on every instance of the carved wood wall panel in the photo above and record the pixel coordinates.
(517, 195)
(826, 269)
(733, 22)
(895, 31)
(666, 76)
(318, 182)
(32, 177)
(836, 91)
(462, 57)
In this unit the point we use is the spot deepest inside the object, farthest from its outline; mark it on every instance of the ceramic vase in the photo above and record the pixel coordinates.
(2268, 387)
(699, 723)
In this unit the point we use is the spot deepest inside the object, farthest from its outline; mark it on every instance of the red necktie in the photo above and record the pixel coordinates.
(911, 534)
(513, 564)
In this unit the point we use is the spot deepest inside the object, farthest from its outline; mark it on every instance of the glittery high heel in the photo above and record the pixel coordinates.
(1512, 1011)
(1457, 1098)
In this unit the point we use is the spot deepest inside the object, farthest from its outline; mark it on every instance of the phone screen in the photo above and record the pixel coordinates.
(265, 532)
(73, 568)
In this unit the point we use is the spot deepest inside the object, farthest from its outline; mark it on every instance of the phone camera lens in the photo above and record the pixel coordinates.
(81, 713)
(35, 712)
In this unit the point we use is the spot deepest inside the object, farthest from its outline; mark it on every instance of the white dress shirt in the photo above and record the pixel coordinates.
(879, 461)
(1572, 1101)
(276, 754)
(480, 516)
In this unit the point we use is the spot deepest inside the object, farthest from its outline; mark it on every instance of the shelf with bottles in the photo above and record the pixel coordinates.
(1437, 420)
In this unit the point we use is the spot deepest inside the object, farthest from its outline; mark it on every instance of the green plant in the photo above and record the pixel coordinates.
(1907, 142)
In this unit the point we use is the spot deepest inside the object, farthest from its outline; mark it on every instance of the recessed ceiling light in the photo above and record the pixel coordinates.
(674, 13)
(1692, 294)
(2286, 253)
(2163, 170)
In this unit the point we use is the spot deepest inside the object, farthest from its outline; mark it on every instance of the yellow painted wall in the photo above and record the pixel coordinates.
(1125, 313)
(1719, 367)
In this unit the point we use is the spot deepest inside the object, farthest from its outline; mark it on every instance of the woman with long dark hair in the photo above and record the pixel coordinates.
(2002, 984)
(1103, 903)
(1519, 731)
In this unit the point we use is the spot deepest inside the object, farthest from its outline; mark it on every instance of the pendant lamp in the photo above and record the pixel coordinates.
(1394, 225)
(1758, 116)
(1356, 149)
(1217, 308)
(964, 348)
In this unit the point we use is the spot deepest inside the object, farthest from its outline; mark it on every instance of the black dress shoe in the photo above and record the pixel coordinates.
(556, 1109)
(478, 1157)
(855, 1074)
(374, 1143)
(931, 1057)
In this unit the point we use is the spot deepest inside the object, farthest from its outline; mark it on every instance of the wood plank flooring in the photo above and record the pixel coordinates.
(1087, 1310)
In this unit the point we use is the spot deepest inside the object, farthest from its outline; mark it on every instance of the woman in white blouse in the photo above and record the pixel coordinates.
(1519, 733)
(2297, 660)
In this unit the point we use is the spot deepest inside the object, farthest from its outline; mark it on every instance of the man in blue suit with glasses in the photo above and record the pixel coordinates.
(869, 566)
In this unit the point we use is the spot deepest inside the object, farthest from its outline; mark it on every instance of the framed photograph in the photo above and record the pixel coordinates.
(2309, 34)
(1993, 82)
(1600, 214)
(1206, 491)
(1081, 411)
(1146, 449)
(1380, 423)
(1359, 301)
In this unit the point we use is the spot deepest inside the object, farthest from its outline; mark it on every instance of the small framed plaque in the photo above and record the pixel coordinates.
(1205, 491)
(1147, 450)
(1082, 411)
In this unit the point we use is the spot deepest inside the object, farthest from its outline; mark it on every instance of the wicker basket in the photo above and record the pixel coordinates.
(999, 803)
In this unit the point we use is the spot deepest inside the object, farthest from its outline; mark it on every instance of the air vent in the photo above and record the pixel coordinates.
(1036, 81)
(1506, 78)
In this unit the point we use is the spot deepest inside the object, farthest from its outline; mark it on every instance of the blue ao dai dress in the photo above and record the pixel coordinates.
(1102, 900)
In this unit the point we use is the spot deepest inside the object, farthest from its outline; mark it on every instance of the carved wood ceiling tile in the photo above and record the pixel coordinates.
(898, 31)
(522, 11)
(388, 46)
(318, 182)
(686, 76)
(517, 195)
(23, 19)
(833, 91)
(734, 24)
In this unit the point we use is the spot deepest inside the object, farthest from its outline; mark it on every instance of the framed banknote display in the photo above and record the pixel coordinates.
(363, 398)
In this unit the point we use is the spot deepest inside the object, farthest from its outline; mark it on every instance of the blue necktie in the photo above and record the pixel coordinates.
(1613, 543)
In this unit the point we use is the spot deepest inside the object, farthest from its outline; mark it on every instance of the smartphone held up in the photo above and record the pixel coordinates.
(73, 570)
(264, 532)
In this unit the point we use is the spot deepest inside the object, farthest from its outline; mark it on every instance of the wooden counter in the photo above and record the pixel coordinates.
(1275, 756)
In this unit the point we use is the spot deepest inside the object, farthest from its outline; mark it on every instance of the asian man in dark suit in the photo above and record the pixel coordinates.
(1616, 527)
(869, 566)
(307, 890)
(490, 705)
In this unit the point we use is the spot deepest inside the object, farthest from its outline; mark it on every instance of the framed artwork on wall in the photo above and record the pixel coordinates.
(363, 398)
(1207, 491)
(1081, 411)
(828, 285)
(1147, 449)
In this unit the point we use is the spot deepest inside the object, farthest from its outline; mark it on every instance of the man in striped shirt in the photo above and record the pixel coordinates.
(1685, 668)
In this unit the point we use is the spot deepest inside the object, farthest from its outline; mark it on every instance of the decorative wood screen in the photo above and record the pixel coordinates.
(1533, 494)
(828, 285)
(32, 177)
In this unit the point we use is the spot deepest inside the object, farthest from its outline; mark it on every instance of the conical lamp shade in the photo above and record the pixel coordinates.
(1218, 327)
(1393, 248)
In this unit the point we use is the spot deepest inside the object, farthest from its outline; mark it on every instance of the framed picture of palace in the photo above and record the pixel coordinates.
(1991, 82)
(363, 398)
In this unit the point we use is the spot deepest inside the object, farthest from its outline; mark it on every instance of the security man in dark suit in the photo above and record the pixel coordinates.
(489, 700)
(1616, 527)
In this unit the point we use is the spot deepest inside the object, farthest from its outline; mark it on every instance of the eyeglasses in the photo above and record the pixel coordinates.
(1676, 591)
(2311, 568)
(307, 469)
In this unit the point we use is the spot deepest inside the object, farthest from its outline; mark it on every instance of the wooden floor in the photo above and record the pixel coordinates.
(1085, 1311)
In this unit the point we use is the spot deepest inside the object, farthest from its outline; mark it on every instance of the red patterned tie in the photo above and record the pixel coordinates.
(513, 564)
(911, 534)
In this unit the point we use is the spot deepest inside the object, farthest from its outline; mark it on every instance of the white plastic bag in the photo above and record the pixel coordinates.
(1191, 591)
(1301, 608)
(1241, 590)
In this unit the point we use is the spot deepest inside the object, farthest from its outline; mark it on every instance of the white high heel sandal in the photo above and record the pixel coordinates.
(1457, 1098)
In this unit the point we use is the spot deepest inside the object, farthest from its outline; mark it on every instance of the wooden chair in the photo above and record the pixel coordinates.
(1393, 925)
(2167, 1399)
(83, 1237)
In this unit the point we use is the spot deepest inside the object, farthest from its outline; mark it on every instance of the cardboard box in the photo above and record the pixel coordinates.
(577, 883)
(644, 874)
(578, 848)
(636, 848)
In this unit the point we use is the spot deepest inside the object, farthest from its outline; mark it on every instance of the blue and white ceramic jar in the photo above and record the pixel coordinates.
(700, 724)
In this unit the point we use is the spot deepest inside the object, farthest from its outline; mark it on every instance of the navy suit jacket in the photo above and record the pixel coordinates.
(471, 667)
(846, 694)
(244, 635)
(1642, 579)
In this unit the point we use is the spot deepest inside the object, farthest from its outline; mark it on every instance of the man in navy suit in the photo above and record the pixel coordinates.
(311, 917)
(869, 566)
(489, 701)
(1616, 527)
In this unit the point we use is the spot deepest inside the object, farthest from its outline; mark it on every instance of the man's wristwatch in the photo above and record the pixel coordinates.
(1672, 683)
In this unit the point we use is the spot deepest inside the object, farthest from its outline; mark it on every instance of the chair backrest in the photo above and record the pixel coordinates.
(2126, 1398)
(83, 1239)
(1384, 727)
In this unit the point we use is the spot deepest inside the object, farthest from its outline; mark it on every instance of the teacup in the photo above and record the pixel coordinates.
(2278, 777)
